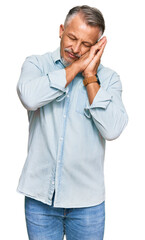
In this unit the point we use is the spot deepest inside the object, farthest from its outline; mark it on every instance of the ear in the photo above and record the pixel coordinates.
(61, 30)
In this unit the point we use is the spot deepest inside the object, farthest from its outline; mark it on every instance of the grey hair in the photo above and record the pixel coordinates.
(91, 15)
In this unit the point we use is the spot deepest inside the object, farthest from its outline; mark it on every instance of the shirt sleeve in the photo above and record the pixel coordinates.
(107, 109)
(36, 89)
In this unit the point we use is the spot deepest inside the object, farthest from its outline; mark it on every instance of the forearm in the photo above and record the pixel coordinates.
(71, 71)
(107, 109)
(110, 121)
(92, 89)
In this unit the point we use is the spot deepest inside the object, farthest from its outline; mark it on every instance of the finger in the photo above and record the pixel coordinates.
(98, 45)
(100, 42)
(99, 53)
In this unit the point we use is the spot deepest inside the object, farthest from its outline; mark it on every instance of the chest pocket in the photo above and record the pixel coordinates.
(82, 100)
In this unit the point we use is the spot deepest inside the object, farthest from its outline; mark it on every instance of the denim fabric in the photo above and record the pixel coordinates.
(46, 222)
(67, 135)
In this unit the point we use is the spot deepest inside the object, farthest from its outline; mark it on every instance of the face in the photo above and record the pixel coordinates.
(77, 38)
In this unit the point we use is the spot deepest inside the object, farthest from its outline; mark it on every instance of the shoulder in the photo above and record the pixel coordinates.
(40, 61)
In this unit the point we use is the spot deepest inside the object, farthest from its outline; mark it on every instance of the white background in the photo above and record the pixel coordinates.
(31, 27)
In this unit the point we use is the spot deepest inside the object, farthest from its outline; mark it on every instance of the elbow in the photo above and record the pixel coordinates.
(116, 131)
(25, 99)
(112, 135)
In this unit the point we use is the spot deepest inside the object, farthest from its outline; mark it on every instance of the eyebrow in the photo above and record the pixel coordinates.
(70, 34)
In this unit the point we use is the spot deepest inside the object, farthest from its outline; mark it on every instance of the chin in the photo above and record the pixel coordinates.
(66, 62)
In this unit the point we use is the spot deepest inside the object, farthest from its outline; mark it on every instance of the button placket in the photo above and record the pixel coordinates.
(61, 142)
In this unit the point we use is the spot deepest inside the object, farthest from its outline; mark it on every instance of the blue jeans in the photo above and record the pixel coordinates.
(45, 222)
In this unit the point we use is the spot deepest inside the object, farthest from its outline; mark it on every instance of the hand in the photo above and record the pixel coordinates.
(88, 63)
(97, 51)
(86, 58)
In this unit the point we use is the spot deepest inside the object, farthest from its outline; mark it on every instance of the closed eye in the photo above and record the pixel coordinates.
(87, 44)
(71, 37)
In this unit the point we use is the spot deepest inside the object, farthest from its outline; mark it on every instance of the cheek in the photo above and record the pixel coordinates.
(84, 50)
(66, 42)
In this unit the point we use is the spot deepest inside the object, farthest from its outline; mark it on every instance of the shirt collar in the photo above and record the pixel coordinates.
(56, 55)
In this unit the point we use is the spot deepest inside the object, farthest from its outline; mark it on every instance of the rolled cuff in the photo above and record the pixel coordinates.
(101, 100)
(58, 80)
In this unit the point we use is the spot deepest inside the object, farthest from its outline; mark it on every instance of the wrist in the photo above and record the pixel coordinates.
(90, 79)
(76, 67)
(71, 72)
(87, 75)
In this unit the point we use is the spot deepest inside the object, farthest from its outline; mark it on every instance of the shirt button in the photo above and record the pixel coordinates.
(64, 116)
(67, 95)
(61, 138)
(52, 182)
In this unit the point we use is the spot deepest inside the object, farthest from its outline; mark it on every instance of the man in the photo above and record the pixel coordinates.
(74, 105)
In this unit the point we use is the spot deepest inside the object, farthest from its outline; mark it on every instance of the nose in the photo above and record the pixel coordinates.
(77, 48)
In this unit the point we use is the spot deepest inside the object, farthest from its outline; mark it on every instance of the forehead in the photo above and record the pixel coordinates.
(80, 29)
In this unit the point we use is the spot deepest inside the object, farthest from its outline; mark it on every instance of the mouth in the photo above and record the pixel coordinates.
(71, 55)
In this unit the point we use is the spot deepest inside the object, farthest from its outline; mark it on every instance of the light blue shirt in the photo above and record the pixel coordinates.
(67, 135)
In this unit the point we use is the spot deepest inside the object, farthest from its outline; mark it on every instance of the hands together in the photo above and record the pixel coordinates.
(89, 62)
